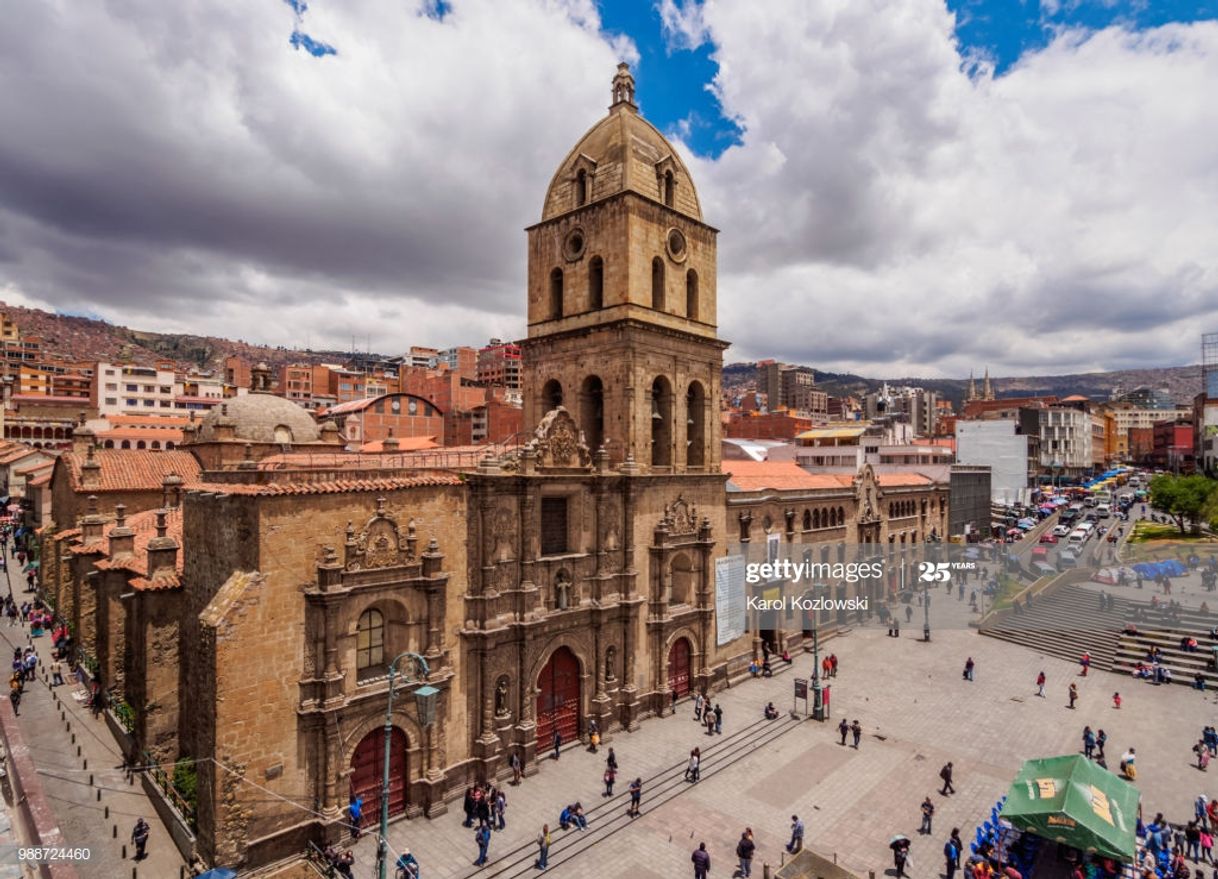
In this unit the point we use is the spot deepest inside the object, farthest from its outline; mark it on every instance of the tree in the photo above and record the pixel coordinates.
(1184, 498)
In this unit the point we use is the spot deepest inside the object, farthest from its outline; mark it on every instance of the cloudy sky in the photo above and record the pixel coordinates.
(903, 186)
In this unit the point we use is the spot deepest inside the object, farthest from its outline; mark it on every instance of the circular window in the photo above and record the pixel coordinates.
(413, 407)
(573, 247)
(676, 245)
(396, 406)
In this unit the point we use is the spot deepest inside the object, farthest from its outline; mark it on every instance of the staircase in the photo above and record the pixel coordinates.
(1155, 629)
(1064, 622)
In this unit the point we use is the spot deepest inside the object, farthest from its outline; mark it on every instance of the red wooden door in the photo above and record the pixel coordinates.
(678, 667)
(367, 766)
(558, 701)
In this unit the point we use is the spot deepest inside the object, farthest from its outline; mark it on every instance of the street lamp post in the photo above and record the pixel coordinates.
(425, 701)
(817, 696)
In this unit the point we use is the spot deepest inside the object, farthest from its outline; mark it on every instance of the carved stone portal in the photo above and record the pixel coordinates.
(559, 443)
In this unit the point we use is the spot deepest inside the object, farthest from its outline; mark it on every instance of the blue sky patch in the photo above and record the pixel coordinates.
(673, 82)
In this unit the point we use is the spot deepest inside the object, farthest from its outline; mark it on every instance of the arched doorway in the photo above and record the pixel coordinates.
(678, 667)
(558, 698)
(367, 765)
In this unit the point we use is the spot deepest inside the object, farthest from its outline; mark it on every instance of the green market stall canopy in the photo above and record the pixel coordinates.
(1073, 801)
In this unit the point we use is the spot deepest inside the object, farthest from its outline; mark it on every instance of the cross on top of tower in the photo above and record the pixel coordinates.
(623, 87)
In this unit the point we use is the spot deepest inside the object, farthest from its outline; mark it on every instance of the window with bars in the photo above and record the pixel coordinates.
(553, 525)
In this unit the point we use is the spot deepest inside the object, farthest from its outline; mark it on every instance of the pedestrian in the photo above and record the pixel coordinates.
(14, 696)
(699, 701)
(951, 852)
(1100, 738)
(500, 810)
(1040, 685)
(969, 665)
(355, 814)
(1116, 700)
(928, 813)
(701, 859)
(1192, 839)
(797, 835)
(692, 768)
(946, 774)
(856, 730)
(557, 743)
(1085, 662)
(1088, 742)
(482, 837)
(900, 852)
(636, 797)
(543, 847)
(744, 851)
(708, 718)
(610, 778)
(467, 806)
(139, 837)
(908, 613)
(611, 760)
(674, 701)
(718, 719)
(832, 665)
(843, 728)
(1073, 695)
(594, 735)
(1207, 846)
(514, 764)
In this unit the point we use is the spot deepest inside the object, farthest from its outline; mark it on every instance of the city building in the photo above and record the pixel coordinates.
(131, 388)
(1172, 445)
(567, 579)
(461, 360)
(499, 365)
(1002, 446)
(392, 415)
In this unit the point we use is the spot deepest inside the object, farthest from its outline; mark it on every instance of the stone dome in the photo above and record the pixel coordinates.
(622, 152)
(261, 418)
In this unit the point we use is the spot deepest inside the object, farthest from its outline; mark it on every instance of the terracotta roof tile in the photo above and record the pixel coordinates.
(338, 486)
(144, 526)
(781, 475)
(891, 479)
(133, 469)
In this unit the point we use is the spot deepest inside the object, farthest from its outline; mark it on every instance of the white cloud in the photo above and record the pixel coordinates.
(908, 219)
(883, 211)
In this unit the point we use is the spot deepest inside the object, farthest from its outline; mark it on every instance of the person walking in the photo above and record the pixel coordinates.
(946, 774)
(57, 674)
(900, 852)
(611, 760)
(856, 730)
(557, 743)
(1088, 742)
(594, 735)
(636, 797)
(1116, 700)
(843, 729)
(1073, 692)
(499, 810)
(797, 835)
(610, 778)
(708, 718)
(744, 851)
(701, 859)
(1100, 738)
(951, 852)
(482, 836)
(14, 696)
(467, 806)
(928, 813)
(1085, 662)
(355, 814)
(718, 719)
(139, 837)
(699, 701)
(514, 764)
(543, 848)
(1040, 685)
(695, 761)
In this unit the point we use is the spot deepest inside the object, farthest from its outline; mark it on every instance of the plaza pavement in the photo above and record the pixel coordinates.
(917, 713)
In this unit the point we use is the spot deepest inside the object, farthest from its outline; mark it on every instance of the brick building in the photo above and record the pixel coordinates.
(378, 418)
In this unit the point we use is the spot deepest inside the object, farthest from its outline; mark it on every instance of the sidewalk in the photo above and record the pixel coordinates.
(100, 822)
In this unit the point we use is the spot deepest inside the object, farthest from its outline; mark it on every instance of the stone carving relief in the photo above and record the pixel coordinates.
(501, 697)
(503, 533)
(681, 517)
(380, 543)
(559, 443)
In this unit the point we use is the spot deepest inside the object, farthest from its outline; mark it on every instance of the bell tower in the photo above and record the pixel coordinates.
(622, 292)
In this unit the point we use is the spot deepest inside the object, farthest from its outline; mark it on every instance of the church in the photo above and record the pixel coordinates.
(242, 609)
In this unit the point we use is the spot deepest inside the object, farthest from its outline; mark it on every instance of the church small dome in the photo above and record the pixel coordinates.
(261, 418)
(622, 152)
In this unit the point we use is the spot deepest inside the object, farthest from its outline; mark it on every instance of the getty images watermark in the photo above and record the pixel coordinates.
(796, 572)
